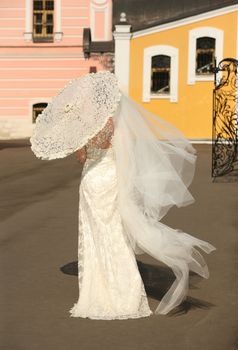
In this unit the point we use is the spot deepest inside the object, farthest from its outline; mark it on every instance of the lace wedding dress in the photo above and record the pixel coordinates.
(110, 285)
(136, 168)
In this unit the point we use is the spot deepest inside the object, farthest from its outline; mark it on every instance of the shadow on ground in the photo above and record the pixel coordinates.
(157, 280)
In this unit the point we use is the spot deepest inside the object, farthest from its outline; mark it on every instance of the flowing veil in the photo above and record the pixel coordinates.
(155, 166)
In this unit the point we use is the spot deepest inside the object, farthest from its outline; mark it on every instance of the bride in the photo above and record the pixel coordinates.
(136, 166)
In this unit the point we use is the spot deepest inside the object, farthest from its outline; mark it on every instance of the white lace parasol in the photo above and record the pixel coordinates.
(75, 115)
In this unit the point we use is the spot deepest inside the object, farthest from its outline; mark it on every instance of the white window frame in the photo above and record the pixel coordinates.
(58, 34)
(28, 20)
(194, 34)
(28, 34)
(151, 51)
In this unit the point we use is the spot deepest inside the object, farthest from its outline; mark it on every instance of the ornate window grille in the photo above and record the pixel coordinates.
(205, 55)
(160, 74)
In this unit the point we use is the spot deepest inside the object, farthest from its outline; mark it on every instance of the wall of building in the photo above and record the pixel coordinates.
(34, 72)
(192, 113)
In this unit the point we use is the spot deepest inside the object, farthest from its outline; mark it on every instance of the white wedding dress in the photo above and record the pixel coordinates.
(125, 191)
(110, 285)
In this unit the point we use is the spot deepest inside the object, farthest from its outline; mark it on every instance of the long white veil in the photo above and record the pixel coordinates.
(155, 166)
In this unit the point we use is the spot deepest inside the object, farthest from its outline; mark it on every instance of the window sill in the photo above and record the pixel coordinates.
(169, 97)
(43, 40)
(160, 96)
(28, 36)
(208, 77)
(197, 78)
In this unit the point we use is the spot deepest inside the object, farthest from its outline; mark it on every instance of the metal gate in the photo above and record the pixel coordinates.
(225, 122)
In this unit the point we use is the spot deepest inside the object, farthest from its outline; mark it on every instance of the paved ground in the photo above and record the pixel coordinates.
(38, 259)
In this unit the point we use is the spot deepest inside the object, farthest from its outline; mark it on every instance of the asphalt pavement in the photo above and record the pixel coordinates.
(38, 264)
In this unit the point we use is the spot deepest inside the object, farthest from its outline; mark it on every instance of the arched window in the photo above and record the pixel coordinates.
(37, 108)
(205, 55)
(205, 43)
(160, 74)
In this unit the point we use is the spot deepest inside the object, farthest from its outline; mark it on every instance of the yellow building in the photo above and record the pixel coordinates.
(168, 67)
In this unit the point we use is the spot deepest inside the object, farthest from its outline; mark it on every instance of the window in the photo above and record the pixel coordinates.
(205, 44)
(43, 20)
(205, 55)
(37, 109)
(92, 69)
(160, 74)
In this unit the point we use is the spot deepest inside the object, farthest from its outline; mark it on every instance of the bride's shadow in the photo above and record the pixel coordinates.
(157, 280)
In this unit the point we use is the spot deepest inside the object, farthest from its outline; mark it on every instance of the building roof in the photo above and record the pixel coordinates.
(142, 14)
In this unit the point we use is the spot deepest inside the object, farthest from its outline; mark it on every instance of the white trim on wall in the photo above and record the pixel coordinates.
(28, 20)
(194, 34)
(100, 6)
(57, 32)
(122, 36)
(151, 51)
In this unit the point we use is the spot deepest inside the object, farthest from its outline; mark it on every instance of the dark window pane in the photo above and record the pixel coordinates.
(38, 29)
(38, 5)
(49, 29)
(161, 61)
(160, 74)
(160, 82)
(49, 18)
(37, 109)
(205, 47)
(204, 62)
(38, 18)
(49, 5)
(206, 43)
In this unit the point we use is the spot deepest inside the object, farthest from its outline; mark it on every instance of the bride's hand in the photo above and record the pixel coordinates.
(81, 155)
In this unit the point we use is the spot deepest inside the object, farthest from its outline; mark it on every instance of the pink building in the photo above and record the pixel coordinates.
(44, 44)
